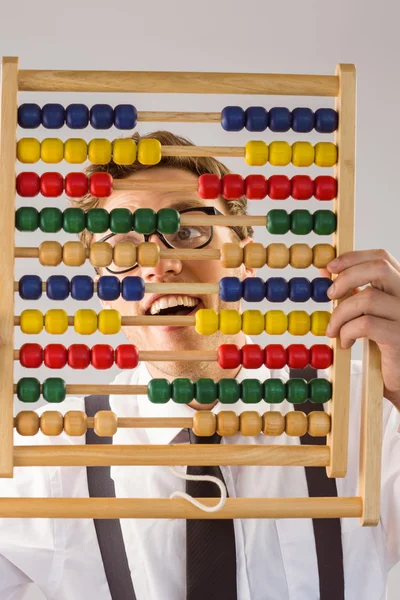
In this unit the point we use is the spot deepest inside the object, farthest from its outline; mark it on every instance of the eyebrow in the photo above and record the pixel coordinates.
(187, 203)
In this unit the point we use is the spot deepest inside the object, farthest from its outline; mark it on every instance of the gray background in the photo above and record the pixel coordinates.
(252, 36)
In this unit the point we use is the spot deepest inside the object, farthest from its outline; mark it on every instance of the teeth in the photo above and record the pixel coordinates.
(171, 301)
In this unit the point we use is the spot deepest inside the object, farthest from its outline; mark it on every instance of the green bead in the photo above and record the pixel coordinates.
(301, 222)
(28, 389)
(206, 391)
(324, 222)
(97, 220)
(121, 220)
(27, 218)
(251, 391)
(54, 389)
(145, 221)
(297, 391)
(74, 220)
(228, 391)
(159, 391)
(320, 390)
(168, 220)
(182, 390)
(274, 391)
(51, 219)
(278, 221)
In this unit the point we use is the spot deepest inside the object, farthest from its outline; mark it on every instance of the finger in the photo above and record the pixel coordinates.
(380, 273)
(350, 259)
(381, 331)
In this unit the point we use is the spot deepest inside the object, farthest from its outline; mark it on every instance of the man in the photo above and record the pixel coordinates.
(275, 560)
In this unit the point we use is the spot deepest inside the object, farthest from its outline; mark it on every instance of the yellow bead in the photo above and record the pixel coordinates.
(256, 153)
(301, 256)
(85, 321)
(56, 321)
(52, 150)
(319, 322)
(231, 256)
(125, 254)
(254, 255)
(252, 322)
(75, 151)
(52, 422)
(322, 255)
(105, 423)
(276, 322)
(74, 254)
(277, 256)
(302, 154)
(50, 254)
(230, 322)
(31, 321)
(27, 422)
(75, 422)
(298, 322)
(280, 154)
(207, 321)
(250, 423)
(296, 423)
(28, 150)
(100, 254)
(109, 321)
(99, 151)
(148, 254)
(124, 151)
(204, 423)
(149, 152)
(325, 154)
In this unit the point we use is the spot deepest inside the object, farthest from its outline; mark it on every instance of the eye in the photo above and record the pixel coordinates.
(188, 233)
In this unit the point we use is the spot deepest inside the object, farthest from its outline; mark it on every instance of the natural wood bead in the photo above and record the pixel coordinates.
(231, 256)
(105, 423)
(301, 256)
(273, 423)
(296, 423)
(124, 254)
(322, 254)
(74, 254)
(277, 256)
(52, 422)
(101, 254)
(204, 423)
(250, 423)
(75, 422)
(27, 422)
(254, 255)
(148, 254)
(50, 254)
(319, 423)
(227, 423)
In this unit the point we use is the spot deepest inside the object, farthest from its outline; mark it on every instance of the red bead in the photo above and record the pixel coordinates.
(325, 187)
(321, 356)
(252, 356)
(102, 356)
(126, 356)
(256, 187)
(232, 186)
(51, 185)
(101, 185)
(275, 356)
(209, 186)
(76, 185)
(279, 187)
(28, 184)
(302, 187)
(31, 356)
(298, 356)
(78, 356)
(55, 356)
(229, 356)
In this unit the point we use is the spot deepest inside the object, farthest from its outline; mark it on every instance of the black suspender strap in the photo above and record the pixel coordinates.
(109, 533)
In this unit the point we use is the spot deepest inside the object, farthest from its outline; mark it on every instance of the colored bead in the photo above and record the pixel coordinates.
(159, 391)
(97, 220)
(133, 288)
(253, 289)
(57, 287)
(55, 356)
(28, 389)
(256, 118)
(300, 289)
(54, 389)
(204, 423)
(252, 356)
(321, 356)
(279, 187)
(233, 118)
(50, 254)
(126, 356)
(31, 321)
(274, 391)
(275, 356)
(296, 423)
(232, 186)
(320, 390)
(52, 150)
(326, 120)
(252, 322)
(27, 422)
(102, 356)
(53, 116)
(75, 151)
(303, 120)
(206, 391)
(322, 255)
(85, 321)
(254, 255)
(28, 150)
(51, 185)
(319, 322)
(109, 321)
(298, 356)
(124, 152)
(101, 116)
(148, 254)
(231, 256)
(229, 356)
(250, 423)
(301, 256)
(149, 151)
(28, 184)
(230, 322)
(273, 423)
(76, 185)
(324, 222)
(79, 356)
(320, 285)
(276, 322)
(74, 254)
(31, 356)
(75, 423)
(325, 154)
(77, 116)
(256, 154)
(277, 289)
(207, 321)
(101, 185)
(82, 287)
(99, 151)
(30, 287)
(302, 187)
(251, 391)
(256, 187)
(105, 423)
(51, 219)
(302, 154)
(280, 154)
(125, 116)
(108, 288)
(182, 390)
(145, 221)
(277, 256)
(278, 221)
(280, 119)
(168, 221)
(227, 423)
(74, 220)
(56, 321)
(29, 116)
(121, 220)
(319, 423)
(298, 322)
(230, 289)
(325, 187)
(297, 391)
(209, 186)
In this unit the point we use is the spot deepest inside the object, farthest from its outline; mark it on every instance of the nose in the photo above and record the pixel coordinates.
(172, 266)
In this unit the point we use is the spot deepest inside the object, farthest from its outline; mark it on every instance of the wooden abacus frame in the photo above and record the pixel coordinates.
(333, 455)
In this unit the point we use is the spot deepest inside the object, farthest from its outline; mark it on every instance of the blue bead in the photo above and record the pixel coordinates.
(53, 116)
(233, 118)
(82, 287)
(132, 288)
(253, 289)
(300, 289)
(303, 120)
(230, 289)
(280, 119)
(277, 289)
(101, 116)
(57, 287)
(29, 116)
(125, 116)
(320, 286)
(77, 116)
(108, 287)
(256, 118)
(326, 120)
(30, 287)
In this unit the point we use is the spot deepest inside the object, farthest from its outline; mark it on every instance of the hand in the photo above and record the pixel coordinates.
(373, 312)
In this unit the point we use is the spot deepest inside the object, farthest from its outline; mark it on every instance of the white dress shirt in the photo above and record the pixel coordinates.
(276, 559)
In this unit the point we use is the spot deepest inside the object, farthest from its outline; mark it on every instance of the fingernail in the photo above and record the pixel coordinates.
(331, 290)
(333, 264)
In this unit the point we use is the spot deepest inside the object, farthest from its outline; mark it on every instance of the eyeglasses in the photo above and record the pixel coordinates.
(193, 237)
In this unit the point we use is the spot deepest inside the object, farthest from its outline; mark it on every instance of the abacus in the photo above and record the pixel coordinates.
(338, 188)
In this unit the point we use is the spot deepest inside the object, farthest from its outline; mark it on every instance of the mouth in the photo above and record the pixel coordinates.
(174, 304)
